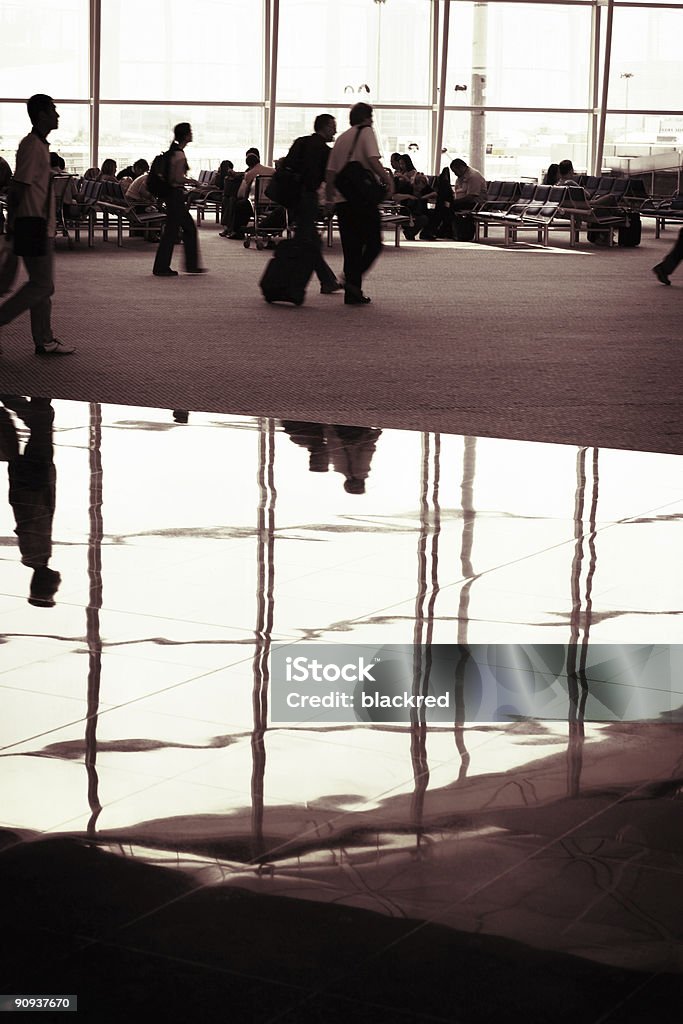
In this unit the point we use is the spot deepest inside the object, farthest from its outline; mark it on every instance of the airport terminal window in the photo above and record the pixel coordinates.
(71, 140)
(528, 55)
(170, 50)
(517, 145)
(44, 48)
(337, 53)
(129, 132)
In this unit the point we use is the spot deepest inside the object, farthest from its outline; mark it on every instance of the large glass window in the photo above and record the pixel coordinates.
(518, 55)
(71, 140)
(44, 48)
(130, 132)
(516, 145)
(333, 52)
(172, 50)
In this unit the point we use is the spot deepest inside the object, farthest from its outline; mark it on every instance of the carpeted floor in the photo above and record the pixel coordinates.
(576, 347)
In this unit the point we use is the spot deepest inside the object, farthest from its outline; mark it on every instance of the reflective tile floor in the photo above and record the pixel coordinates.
(168, 846)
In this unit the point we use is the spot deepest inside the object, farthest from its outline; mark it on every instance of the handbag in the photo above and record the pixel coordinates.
(284, 188)
(356, 183)
(8, 265)
(30, 236)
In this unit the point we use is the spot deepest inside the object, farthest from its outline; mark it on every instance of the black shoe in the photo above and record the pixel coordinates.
(224, 234)
(165, 273)
(356, 300)
(197, 270)
(330, 289)
(661, 274)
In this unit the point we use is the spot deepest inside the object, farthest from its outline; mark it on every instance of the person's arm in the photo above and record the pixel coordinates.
(378, 169)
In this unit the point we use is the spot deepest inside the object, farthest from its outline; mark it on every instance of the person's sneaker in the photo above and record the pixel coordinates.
(330, 289)
(224, 234)
(54, 348)
(661, 274)
(356, 300)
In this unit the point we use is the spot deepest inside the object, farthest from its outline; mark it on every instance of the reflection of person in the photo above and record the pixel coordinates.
(350, 449)
(32, 480)
(31, 219)
(178, 216)
(670, 261)
(359, 224)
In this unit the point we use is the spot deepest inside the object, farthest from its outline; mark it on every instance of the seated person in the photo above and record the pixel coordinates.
(92, 174)
(108, 171)
(244, 211)
(405, 175)
(552, 175)
(139, 194)
(133, 171)
(470, 186)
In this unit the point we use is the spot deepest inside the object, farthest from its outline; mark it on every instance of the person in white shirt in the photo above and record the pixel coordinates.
(31, 220)
(470, 186)
(359, 224)
(178, 217)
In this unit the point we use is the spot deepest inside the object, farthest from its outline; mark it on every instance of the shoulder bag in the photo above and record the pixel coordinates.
(356, 183)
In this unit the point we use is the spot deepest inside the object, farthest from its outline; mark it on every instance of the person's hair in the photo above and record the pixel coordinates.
(552, 174)
(458, 165)
(37, 105)
(141, 166)
(109, 166)
(92, 174)
(56, 161)
(408, 164)
(394, 156)
(359, 112)
(252, 159)
(322, 120)
(253, 149)
(226, 165)
(565, 167)
(182, 130)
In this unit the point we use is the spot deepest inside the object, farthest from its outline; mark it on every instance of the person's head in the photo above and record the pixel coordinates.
(395, 160)
(552, 174)
(56, 162)
(43, 113)
(225, 166)
(140, 167)
(253, 149)
(566, 168)
(182, 133)
(420, 183)
(92, 174)
(406, 164)
(360, 113)
(325, 126)
(109, 167)
(252, 160)
(458, 167)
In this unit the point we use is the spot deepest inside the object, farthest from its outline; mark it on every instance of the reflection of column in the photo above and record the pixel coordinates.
(577, 653)
(92, 614)
(430, 526)
(469, 465)
(265, 561)
(479, 70)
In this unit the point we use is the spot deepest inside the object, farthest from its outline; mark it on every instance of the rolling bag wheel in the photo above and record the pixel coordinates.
(246, 243)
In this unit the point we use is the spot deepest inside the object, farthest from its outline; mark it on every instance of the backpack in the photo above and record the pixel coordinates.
(157, 176)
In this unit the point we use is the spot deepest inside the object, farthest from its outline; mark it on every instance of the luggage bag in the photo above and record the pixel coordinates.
(288, 272)
(629, 234)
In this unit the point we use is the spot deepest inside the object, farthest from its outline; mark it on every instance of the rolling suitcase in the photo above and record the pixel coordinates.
(288, 272)
(629, 234)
